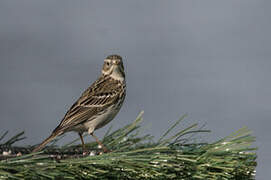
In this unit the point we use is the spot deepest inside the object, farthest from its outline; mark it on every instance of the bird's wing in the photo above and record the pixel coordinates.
(100, 95)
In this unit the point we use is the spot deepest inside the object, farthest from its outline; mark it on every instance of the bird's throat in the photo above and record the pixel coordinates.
(118, 74)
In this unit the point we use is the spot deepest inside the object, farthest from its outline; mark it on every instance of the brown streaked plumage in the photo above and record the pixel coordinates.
(97, 106)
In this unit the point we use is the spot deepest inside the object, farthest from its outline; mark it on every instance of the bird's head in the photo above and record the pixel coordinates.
(113, 67)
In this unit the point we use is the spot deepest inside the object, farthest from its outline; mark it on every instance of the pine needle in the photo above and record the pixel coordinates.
(137, 156)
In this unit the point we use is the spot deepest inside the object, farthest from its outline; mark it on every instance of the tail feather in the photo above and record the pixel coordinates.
(46, 141)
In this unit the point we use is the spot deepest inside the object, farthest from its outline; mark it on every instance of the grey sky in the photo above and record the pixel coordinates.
(211, 59)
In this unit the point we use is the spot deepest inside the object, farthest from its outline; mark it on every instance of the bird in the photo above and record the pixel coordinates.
(97, 106)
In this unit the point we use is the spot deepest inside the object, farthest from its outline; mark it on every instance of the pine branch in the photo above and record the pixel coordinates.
(137, 157)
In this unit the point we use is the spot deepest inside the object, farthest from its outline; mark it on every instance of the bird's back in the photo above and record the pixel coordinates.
(103, 96)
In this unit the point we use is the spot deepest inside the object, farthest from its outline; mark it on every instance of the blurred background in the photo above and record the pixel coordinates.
(210, 59)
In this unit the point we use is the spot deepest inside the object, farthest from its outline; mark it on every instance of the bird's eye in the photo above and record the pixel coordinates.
(107, 63)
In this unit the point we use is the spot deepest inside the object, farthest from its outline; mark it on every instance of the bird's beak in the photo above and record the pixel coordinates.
(116, 62)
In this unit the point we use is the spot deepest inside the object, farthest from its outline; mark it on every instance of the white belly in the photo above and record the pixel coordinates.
(101, 120)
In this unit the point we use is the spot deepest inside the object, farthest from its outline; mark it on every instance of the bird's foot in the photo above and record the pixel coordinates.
(105, 150)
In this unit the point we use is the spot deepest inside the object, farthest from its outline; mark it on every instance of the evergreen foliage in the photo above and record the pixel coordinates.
(135, 156)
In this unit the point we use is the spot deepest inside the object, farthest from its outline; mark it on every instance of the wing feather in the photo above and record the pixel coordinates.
(100, 95)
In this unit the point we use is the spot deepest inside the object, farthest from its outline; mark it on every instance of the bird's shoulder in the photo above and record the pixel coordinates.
(103, 87)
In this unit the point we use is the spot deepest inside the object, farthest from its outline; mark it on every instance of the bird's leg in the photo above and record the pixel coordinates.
(82, 140)
(99, 142)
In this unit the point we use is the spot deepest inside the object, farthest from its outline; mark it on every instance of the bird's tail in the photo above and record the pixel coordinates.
(46, 141)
